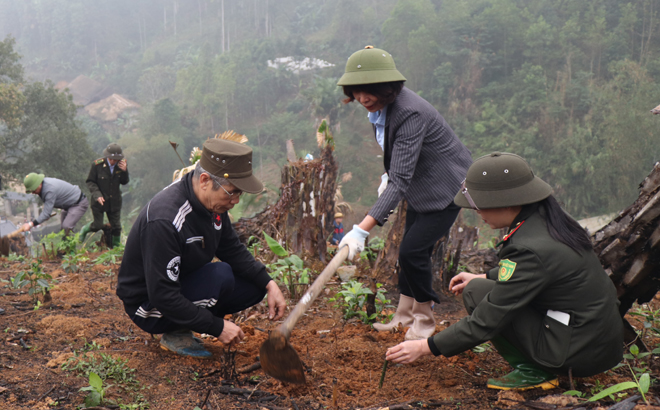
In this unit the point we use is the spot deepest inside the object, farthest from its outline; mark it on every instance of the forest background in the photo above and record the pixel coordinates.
(568, 85)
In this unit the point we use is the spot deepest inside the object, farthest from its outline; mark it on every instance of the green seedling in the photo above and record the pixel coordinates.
(288, 269)
(96, 391)
(35, 279)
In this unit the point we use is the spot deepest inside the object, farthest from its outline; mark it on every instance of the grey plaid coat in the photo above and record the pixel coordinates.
(424, 159)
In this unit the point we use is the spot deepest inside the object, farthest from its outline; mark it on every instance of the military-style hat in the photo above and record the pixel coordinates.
(113, 151)
(232, 161)
(499, 180)
(32, 181)
(370, 66)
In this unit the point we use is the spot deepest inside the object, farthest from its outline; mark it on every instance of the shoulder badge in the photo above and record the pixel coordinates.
(507, 267)
(99, 161)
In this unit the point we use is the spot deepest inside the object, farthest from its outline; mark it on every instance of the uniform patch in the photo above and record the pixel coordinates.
(506, 270)
(173, 268)
(99, 161)
(217, 222)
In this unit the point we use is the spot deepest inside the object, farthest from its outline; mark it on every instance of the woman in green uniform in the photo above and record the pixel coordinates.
(549, 308)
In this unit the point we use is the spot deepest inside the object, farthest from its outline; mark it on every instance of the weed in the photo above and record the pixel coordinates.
(111, 256)
(483, 348)
(650, 319)
(35, 279)
(15, 258)
(105, 366)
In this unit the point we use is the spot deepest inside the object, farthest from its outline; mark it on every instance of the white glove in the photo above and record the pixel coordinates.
(383, 184)
(354, 240)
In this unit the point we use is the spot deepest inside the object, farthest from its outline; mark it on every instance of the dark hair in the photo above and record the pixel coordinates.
(385, 92)
(563, 228)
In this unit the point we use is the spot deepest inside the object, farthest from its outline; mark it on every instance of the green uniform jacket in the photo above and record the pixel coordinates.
(103, 184)
(538, 273)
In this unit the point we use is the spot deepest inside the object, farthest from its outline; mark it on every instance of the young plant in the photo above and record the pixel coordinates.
(96, 391)
(71, 263)
(58, 242)
(35, 279)
(370, 252)
(353, 299)
(254, 246)
(111, 256)
(288, 269)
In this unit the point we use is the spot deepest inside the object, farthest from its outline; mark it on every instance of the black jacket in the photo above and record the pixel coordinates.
(102, 183)
(175, 235)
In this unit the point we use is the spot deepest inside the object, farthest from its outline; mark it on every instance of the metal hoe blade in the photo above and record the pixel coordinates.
(280, 360)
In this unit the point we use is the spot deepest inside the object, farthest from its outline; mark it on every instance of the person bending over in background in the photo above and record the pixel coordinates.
(424, 164)
(104, 182)
(167, 281)
(550, 307)
(56, 194)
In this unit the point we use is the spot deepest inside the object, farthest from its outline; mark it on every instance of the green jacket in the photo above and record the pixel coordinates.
(103, 184)
(537, 274)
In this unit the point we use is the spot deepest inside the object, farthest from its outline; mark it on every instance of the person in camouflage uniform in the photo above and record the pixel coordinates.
(104, 180)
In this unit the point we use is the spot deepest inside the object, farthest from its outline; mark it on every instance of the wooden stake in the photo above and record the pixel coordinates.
(382, 375)
(334, 392)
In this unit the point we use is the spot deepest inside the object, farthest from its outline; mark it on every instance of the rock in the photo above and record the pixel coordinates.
(345, 273)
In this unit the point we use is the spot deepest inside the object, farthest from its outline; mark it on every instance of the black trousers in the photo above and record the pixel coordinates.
(113, 217)
(422, 232)
(213, 286)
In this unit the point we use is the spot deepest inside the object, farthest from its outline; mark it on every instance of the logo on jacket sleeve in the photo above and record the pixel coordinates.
(173, 268)
(506, 270)
(217, 222)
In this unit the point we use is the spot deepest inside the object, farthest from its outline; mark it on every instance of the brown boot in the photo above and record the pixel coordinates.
(424, 323)
(403, 315)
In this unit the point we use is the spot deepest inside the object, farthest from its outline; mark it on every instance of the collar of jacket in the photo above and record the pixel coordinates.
(525, 212)
(194, 201)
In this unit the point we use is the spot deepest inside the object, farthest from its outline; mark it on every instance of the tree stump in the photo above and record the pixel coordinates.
(302, 217)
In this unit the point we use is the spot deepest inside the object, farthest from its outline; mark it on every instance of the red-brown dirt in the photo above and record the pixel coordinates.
(343, 359)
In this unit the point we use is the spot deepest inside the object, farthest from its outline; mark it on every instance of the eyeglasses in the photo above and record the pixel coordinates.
(231, 194)
(465, 192)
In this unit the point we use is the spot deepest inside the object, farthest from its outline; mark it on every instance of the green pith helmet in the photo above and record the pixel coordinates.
(32, 181)
(369, 66)
(499, 180)
(113, 151)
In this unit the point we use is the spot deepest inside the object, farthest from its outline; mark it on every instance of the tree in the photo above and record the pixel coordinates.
(48, 138)
(11, 77)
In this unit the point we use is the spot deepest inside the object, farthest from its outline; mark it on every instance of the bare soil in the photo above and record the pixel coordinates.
(343, 359)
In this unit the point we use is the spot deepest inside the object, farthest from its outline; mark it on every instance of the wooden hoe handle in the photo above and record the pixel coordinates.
(313, 291)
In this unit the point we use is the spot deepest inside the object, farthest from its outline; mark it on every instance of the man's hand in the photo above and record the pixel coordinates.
(408, 352)
(276, 301)
(100, 200)
(231, 333)
(460, 281)
(122, 165)
(354, 240)
(26, 226)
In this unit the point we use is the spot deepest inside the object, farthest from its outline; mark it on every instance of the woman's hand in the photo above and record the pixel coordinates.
(408, 352)
(460, 281)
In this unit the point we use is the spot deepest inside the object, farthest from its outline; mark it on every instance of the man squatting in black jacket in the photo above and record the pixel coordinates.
(167, 281)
